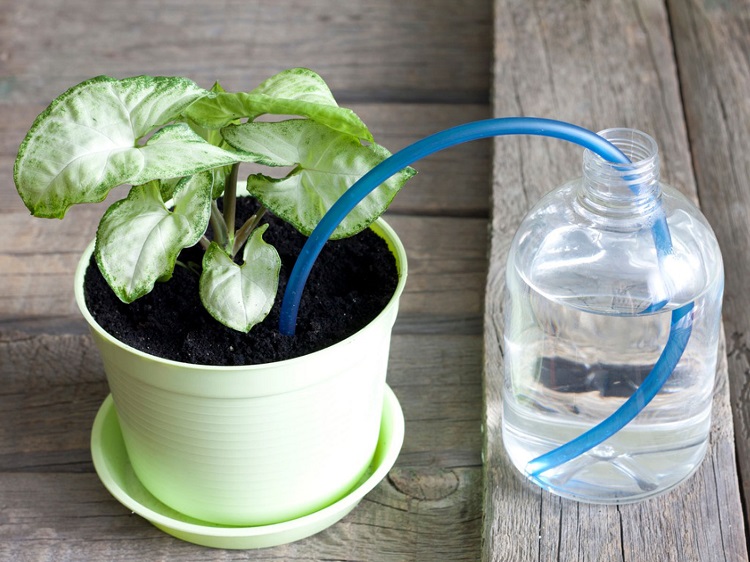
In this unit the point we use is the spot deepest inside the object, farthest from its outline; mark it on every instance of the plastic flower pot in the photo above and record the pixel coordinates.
(252, 445)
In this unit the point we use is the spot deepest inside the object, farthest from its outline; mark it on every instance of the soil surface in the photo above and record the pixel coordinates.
(352, 281)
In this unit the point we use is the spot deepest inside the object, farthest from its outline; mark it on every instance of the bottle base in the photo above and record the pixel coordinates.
(593, 480)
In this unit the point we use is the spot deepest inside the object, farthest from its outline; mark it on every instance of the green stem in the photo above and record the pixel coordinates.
(246, 230)
(191, 267)
(218, 225)
(230, 201)
(204, 242)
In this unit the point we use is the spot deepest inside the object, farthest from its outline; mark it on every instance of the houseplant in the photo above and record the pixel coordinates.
(245, 445)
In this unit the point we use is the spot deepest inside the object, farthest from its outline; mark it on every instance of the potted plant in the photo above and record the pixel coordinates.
(218, 448)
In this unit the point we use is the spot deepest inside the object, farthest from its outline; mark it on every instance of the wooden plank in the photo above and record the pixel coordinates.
(387, 51)
(37, 268)
(447, 266)
(437, 378)
(454, 183)
(408, 69)
(53, 387)
(429, 507)
(713, 55)
(598, 65)
(71, 517)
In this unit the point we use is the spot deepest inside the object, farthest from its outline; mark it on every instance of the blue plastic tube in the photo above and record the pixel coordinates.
(679, 334)
(681, 324)
(424, 147)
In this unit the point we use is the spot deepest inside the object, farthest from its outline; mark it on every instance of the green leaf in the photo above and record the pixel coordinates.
(139, 239)
(177, 151)
(213, 136)
(240, 296)
(87, 142)
(167, 188)
(327, 164)
(298, 91)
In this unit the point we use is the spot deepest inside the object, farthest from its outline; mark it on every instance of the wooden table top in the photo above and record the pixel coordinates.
(677, 69)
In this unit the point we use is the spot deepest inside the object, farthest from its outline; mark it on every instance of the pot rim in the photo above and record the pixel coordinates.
(380, 227)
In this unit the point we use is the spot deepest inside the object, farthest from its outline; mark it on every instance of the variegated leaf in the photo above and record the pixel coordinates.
(297, 91)
(240, 296)
(139, 239)
(89, 140)
(326, 162)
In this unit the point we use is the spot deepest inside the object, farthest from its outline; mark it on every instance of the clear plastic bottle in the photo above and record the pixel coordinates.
(589, 303)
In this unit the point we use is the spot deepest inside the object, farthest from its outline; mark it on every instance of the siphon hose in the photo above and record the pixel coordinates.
(679, 334)
(681, 324)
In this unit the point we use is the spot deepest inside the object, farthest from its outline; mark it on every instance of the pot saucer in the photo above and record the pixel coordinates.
(113, 467)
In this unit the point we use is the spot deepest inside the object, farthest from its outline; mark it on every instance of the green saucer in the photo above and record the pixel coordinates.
(114, 470)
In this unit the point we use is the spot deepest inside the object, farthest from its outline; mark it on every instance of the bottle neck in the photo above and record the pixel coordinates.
(622, 191)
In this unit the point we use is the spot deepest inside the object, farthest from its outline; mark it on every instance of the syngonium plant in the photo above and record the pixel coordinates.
(180, 146)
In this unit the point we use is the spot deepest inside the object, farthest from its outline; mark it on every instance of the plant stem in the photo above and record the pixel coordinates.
(190, 266)
(204, 242)
(218, 225)
(246, 230)
(230, 201)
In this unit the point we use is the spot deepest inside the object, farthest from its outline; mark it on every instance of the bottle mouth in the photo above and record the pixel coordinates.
(616, 189)
(638, 146)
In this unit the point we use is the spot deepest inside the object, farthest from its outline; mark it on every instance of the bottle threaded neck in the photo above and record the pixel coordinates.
(622, 190)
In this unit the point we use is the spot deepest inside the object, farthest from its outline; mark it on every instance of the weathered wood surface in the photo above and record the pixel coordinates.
(52, 506)
(36, 270)
(603, 65)
(713, 51)
(408, 69)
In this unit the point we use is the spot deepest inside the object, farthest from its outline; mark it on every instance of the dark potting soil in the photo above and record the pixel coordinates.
(352, 281)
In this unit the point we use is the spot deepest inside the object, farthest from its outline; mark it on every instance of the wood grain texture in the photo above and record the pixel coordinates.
(408, 69)
(599, 65)
(712, 42)
(453, 183)
(385, 51)
(53, 386)
(421, 52)
(75, 519)
(36, 268)
(447, 268)
(52, 506)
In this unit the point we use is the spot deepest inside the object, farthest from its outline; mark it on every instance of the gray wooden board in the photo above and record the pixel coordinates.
(453, 183)
(54, 507)
(418, 51)
(446, 256)
(712, 43)
(71, 518)
(599, 65)
(409, 69)
(37, 268)
(52, 387)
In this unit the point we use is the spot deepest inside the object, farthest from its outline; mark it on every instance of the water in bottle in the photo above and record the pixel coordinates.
(595, 274)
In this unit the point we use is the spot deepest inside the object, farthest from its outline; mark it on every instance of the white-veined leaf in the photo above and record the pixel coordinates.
(297, 91)
(167, 188)
(241, 296)
(327, 164)
(178, 151)
(139, 239)
(213, 136)
(87, 142)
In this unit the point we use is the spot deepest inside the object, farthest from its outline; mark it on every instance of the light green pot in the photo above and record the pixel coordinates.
(252, 445)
